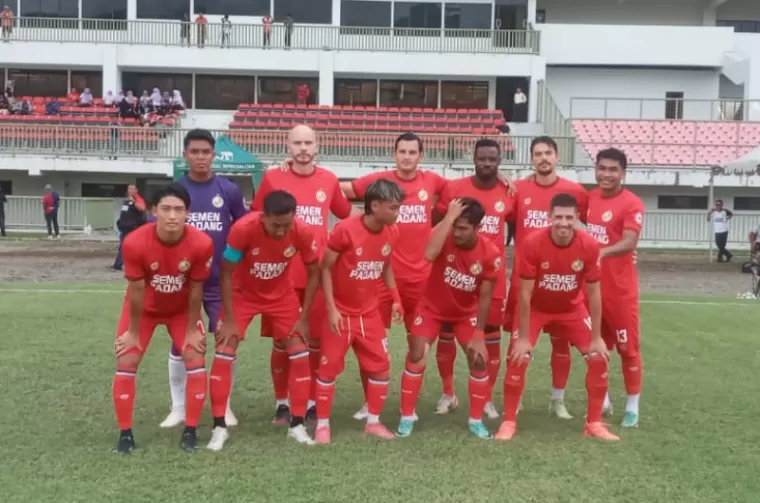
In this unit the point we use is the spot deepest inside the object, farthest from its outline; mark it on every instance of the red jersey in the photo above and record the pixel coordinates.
(531, 205)
(166, 269)
(363, 256)
(607, 218)
(414, 220)
(454, 284)
(316, 195)
(497, 205)
(560, 272)
(264, 260)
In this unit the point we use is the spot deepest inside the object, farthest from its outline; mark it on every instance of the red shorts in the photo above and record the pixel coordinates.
(175, 324)
(574, 327)
(410, 293)
(428, 325)
(620, 326)
(280, 316)
(366, 335)
(317, 315)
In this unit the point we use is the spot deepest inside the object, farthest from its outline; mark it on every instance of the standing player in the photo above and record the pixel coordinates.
(217, 203)
(165, 263)
(457, 300)
(410, 268)
(615, 217)
(359, 254)
(317, 192)
(554, 266)
(485, 187)
(255, 280)
(531, 213)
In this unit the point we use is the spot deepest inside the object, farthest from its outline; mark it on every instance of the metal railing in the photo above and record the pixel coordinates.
(670, 108)
(691, 228)
(75, 214)
(336, 38)
(157, 144)
(553, 120)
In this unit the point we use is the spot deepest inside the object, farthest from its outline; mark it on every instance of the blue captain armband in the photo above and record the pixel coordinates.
(232, 255)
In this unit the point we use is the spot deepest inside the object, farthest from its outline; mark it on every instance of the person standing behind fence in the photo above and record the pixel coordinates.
(131, 217)
(3, 200)
(288, 30)
(50, 202)
(720, 217)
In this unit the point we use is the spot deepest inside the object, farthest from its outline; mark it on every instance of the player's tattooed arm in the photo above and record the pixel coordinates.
(627, 244)
(348, 190)
(442, 230)
(136, 291)
(485, 297)
(312, 282)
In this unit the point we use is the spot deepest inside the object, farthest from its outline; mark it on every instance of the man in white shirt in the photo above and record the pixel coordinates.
(520, 110)
(720, 217)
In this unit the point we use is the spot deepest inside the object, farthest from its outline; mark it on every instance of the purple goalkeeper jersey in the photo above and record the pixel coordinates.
(214, 206)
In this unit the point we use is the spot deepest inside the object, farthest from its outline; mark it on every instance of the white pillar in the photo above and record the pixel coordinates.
(532, 12)
(709, 15)
(538, 73)
(491, 93)
(111, 70)
(752, 91)
(326, 78)
(131, 9)
(336, 12)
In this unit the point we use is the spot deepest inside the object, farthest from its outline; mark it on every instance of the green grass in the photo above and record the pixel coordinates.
(697, 442)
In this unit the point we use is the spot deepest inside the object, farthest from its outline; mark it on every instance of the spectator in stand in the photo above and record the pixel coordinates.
(145, 100)
(166, 103)
(85, 99)
(201, 23)
(754, 241)
(3, 200)
(9, 86)
(303, 92)
(520, 110)
(118, 99)
(266, 21)
(288, 30)
(155, 100)
(131, 217)
(720, 217)
(109, 99)
(178, 103)
(184, 34)
(73, 96)
(226, 31)
(5, 105)
(50, 202)
(7, 21)
(21, 107)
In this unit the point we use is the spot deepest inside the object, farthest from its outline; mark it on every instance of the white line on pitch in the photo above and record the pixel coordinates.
(50, 290)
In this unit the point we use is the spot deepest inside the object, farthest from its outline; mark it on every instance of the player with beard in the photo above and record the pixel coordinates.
(530, 212)
(317, 193)
(492, 193)
(217, 204)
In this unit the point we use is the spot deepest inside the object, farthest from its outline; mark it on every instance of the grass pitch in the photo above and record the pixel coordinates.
(697, 441)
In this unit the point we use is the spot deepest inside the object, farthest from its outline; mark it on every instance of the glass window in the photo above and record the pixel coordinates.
(165, 9)
(49, 9)
(6, 187)
(417, 15)
(747, 203)
(108, 13)
(681, 202)
(409, 93)
(139, 82)
(356, 92)
(304, 11)
(464, 95)
(361, 13)
(473, 16)
(93, 80)
(285, 89)
(39, 82)
(223, 92)
(256, 8)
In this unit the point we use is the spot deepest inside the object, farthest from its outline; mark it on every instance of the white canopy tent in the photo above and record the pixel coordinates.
(749, 163)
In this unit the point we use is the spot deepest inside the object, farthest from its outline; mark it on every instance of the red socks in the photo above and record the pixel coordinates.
(514, 385)
(493, 347)
(365, 378)
(315, 355)
(299, 383)
(411, 383)
(195, 391)
(278, 363)
(445, 355)
(376, 393)
(325, 393)
(478, 388)
(221, 380)
(560, 362)
(124, 395)
(632, 373)
(596, 387)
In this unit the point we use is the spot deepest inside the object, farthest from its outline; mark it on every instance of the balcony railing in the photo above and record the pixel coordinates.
(670, 108)
(252, 36)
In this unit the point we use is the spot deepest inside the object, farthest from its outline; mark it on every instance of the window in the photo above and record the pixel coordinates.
(105, 14)
(469, 16)
(6, 186)
(747, 203)
(409, 93)
(166, 82)
(49, 9)
(361, 13)
(682, 202)
(256, 8)
(223, 92)
(39, 82)
(93, 80)
(356, 92)
(464, 95)
(114, 190)
(674, 105)
(165, 9)
(418, 15)
(741, 26)
(285, 89)
(303, 11)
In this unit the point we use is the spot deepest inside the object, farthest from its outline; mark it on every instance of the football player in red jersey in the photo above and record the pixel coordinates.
(254, 280)
(457, 300)
(166, 263)
(486, 187)
(358, 255)
(615, 218)
(531, 213)
(317, 192)
(556, 264)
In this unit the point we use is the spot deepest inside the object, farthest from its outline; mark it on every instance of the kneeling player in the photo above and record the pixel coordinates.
(554, 266)
(457, 300)
(166, 263)
(254, 280)
(358, 254)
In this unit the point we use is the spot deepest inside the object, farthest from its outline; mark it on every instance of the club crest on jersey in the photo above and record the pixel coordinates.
(209, 262)
(324, 360)
(423, 195)
(545, 265)
(217, 201)
(451, 258)
(639, 218)
(184, 265)
(499, 206)
(154, 266)
(255, 251)
(290, 251)
(314, 245)
(476, 269)
(321, 196)
(386, 249)
(497, 263)
(606, 216)
(527, 201)
(359, 251)
(418, 321)
(577, 265)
